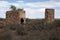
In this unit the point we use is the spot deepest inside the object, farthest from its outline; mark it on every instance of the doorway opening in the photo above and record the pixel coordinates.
(22, 20)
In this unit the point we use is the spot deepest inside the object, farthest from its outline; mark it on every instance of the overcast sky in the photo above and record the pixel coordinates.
(33, 8)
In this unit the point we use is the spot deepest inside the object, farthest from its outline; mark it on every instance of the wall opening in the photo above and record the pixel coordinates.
(22, 20)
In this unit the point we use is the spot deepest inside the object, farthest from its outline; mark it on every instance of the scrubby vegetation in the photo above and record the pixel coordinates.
(34, 29)
(57, 22)
(2, 19)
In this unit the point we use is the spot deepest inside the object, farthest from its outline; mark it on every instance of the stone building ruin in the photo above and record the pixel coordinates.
(49, 15)
(18, 17)
(15, 17)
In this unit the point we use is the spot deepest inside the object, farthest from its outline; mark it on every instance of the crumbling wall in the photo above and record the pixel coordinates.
(49, 15)
(14, 17)
(22, 16)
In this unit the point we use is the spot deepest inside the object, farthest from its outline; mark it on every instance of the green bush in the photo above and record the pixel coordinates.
(27, 19)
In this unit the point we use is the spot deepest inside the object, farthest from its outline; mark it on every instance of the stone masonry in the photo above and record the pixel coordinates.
(18, 16)
(14, 17)
(49, 15)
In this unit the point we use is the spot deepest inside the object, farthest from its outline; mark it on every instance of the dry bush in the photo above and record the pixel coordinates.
(48, 27)
(35, 25)
(13, 26)
(57, 23)
(20, 30)
(53, 38)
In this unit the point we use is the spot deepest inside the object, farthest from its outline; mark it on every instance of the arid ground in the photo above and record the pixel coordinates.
(34, 29)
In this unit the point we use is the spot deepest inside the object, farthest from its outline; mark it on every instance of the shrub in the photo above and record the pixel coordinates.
(1, 27)
(53, 38)
(20, 30)
(27, 20)
(35, 25)
(49, 26)
(13, 26)
(57, 23)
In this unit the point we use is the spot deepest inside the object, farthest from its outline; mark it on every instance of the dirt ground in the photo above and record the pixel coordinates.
(33, 30)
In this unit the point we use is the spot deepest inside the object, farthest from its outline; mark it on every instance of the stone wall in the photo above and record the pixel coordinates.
(14, 17)
(49, 15)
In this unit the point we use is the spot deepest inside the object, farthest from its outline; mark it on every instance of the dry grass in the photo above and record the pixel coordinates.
(33, 30)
